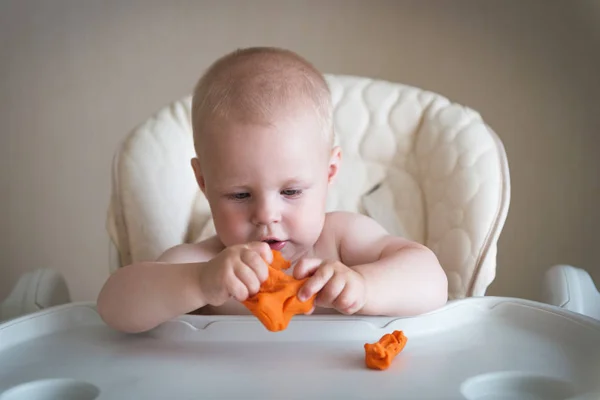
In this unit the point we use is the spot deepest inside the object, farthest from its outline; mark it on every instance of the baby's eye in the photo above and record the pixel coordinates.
(238, 196)
(291, 192)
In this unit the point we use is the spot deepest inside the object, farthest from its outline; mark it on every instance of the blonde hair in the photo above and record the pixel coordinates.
(254, 85)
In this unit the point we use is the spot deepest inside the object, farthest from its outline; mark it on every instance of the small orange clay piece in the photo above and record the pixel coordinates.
(276, 302)
(380, 355)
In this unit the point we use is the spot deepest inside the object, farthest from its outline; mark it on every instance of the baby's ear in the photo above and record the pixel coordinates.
(198, 174)
(334, 163)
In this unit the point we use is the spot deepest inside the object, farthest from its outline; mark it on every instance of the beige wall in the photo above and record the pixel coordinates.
(75, 76)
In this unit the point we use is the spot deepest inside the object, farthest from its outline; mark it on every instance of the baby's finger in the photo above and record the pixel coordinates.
(238, 290)
(263, 250)
(331, 291)
(253, 260)
(347, 302)
(306, 267)
(315, 283)
(248, 278)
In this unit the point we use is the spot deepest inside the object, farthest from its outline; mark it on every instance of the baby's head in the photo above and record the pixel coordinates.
(263, 133)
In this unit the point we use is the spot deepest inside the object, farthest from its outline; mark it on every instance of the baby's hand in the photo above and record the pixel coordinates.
(337, 285)
(238, 271)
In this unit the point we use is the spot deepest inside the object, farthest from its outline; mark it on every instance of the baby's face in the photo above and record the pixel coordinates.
(268, 182)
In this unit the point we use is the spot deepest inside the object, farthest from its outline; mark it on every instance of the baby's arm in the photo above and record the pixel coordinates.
(142, 295)
(401, 277)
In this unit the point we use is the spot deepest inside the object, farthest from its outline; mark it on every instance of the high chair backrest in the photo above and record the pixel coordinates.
(423, 167)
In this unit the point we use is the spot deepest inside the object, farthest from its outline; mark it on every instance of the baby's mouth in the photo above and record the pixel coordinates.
(275, 244)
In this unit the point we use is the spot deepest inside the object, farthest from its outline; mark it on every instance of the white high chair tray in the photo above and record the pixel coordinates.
(477, 348)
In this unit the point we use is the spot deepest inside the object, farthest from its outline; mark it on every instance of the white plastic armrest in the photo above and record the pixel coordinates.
(34, 291)
(573, 289)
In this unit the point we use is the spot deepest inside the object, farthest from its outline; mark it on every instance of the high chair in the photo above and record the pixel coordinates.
(423, 167)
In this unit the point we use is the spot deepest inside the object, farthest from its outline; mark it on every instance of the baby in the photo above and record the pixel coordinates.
(263, 135)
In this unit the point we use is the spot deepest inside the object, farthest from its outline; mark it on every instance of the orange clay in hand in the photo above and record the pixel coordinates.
(276, 302)
(380, 355)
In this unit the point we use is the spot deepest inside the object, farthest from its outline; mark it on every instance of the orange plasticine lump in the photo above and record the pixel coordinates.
(277, 302)
(380, 355)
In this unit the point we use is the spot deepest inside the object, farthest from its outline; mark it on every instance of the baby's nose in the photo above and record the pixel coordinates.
(266, 213)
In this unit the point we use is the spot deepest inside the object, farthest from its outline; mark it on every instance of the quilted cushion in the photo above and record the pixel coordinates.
(424, 167)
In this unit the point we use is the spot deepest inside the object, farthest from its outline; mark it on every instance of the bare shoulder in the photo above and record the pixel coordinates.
(345, 219)
(348, 226)
(360, 238)
(192, 252)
